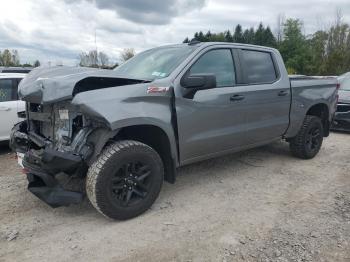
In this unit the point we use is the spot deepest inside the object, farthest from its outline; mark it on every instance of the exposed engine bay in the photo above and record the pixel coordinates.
(63, 127)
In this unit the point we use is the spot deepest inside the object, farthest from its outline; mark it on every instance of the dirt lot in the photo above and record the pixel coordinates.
(259, 205)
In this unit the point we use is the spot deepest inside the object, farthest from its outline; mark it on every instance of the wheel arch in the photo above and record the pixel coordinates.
(321, 110)
(155, 137)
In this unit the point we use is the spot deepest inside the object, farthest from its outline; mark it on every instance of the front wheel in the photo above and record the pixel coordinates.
(307, 143)
(125, 180)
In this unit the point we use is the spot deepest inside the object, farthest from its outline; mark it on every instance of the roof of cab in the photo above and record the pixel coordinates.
(228, 44)
(205, 44)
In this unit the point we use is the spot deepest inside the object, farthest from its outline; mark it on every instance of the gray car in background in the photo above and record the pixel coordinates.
(123, 132)
(342, 116)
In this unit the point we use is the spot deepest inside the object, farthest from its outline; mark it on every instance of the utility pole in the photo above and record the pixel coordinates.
(95, 41)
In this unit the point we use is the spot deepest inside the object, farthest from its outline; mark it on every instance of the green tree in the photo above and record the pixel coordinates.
(208, 36)
(249, 36)
(7, 58)
(338, 49)
(294, 48)
(15, 58)
(268, 38)
(186, 40)
(201, 37)
(238, 34)
(228, 36)
(318, 44)
(36, 63)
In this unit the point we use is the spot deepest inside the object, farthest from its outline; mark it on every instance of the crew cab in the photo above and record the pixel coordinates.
(123, 132)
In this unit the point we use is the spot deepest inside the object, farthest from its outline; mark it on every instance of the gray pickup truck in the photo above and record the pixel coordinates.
(123, 132)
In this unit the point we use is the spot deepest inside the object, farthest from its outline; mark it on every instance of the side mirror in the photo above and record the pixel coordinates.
(199, 81)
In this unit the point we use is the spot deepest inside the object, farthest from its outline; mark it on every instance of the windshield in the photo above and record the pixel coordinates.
(155, 63)
(345, 83)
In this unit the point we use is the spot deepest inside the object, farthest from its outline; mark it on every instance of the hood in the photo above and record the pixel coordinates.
(52, 84)
(344, 96)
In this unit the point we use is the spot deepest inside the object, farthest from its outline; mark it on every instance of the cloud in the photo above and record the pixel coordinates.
(51, 30)
(146, 11)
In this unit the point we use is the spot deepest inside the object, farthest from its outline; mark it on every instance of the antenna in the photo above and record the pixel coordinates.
(95, 41)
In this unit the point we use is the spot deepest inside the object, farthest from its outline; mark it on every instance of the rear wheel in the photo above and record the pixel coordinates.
(307, 143)
(125, 180)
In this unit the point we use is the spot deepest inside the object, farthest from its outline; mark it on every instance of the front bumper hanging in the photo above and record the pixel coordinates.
(43, 165)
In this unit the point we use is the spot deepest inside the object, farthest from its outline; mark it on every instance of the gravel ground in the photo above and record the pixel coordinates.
(259, 205)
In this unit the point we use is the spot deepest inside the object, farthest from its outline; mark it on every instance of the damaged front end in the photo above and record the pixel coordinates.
(55, 147)
(60, 137)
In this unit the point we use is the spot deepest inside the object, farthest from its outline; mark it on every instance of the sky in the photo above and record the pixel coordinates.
(57, 31)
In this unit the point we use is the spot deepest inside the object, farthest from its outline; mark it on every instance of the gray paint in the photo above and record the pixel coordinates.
(209, 124)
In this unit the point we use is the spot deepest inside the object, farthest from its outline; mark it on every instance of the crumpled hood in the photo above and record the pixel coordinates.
(52, 84)
(344, 96)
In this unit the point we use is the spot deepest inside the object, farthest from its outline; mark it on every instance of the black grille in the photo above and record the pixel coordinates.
(343, 107)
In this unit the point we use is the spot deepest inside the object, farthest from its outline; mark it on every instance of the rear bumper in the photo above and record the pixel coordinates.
(43, 165)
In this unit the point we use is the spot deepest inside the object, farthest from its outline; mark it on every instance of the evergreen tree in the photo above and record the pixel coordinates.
(248, 36)
(228, 36)
(326, 52)
(268, 38)
(208, 36)
(238, 34)
(201, 37)
(196, 36)
(36, 63)
(259, 35)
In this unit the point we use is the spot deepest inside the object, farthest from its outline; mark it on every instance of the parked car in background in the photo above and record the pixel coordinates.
(22, 70)
(9, 103)
(123, 132)
(341, 119)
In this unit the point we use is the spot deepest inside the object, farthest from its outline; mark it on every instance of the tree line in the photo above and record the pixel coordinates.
(325, 52)
(11, 58)
(96, 59)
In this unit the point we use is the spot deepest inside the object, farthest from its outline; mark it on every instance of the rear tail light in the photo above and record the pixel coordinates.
(338, 86)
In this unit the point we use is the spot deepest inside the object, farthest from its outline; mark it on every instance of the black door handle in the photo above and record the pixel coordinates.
(236, 98)
(282, 93)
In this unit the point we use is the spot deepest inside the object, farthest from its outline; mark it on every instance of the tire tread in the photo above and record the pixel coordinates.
(297, 145)
(97, 167)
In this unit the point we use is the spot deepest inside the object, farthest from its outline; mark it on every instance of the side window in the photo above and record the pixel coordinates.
(218, 62)
(6, 90)
(258, 67)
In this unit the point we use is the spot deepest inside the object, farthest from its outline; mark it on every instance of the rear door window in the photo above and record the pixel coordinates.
(218, 62)
(258, 67)
(6, 90)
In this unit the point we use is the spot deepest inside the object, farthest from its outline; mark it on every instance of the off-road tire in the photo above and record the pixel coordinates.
(102, 171)
(299, 145)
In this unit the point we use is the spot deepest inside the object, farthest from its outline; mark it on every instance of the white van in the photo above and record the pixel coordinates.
(9, 103)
